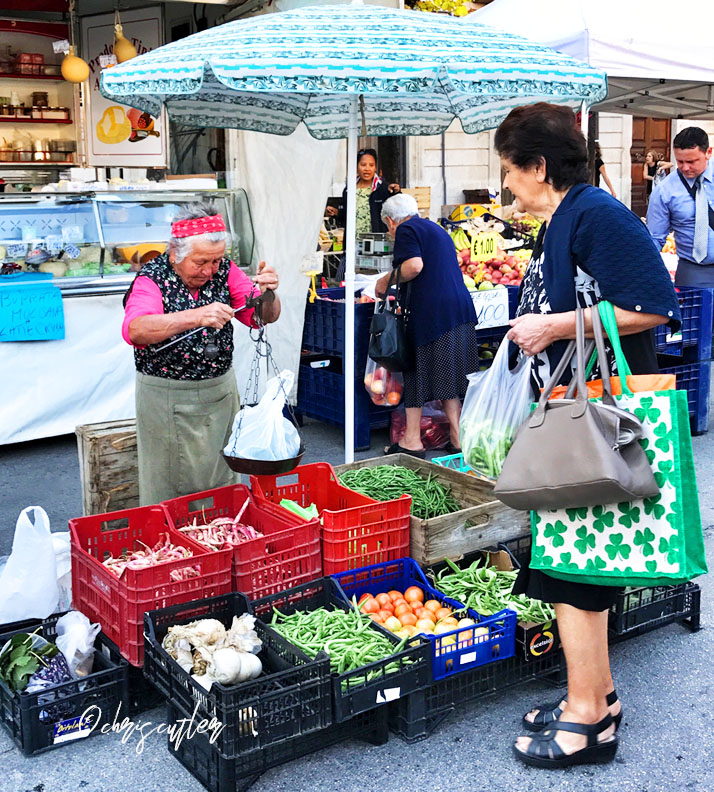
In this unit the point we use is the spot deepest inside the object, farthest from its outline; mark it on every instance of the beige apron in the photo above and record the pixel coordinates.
(182, 427)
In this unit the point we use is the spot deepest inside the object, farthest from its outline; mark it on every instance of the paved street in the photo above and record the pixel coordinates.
(665, 680)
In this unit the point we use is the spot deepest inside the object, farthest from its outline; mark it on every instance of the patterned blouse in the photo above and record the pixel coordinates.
(364, 216)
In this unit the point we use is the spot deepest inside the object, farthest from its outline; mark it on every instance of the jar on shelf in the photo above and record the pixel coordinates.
(36, 112)
(39, 99)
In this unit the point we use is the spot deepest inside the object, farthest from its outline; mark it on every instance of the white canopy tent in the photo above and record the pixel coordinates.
(659, 63)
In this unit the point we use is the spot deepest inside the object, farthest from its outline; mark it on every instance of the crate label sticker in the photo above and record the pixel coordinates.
(388, 694)
(72, 729)
(101, 585)
(491, 307)
(673, 337)
(469, 657)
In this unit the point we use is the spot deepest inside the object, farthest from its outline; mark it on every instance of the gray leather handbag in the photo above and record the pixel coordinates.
(575, 452)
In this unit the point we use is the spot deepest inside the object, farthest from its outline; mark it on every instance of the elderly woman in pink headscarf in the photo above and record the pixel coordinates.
(186, 393)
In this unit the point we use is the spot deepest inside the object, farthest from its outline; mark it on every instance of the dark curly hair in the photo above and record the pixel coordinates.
(545, 133)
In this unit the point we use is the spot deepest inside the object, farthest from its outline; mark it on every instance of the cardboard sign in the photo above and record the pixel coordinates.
(485, 246)
(31, 313)
(491, 307)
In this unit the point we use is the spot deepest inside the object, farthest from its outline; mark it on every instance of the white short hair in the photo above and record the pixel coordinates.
(182, 246)
(399, 207)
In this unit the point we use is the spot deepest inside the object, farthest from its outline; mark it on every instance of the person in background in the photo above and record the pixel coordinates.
(372, 192)
(683, 204)
(599, 171)
(590, 248)
(442, 320)
(654, 171)
(186, 394)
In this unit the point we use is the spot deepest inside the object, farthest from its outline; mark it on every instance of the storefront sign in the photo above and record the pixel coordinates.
(485, 246)
(119, 135)
(491, 307)
(31, 312)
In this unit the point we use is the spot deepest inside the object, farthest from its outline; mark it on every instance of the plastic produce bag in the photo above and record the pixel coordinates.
(263, 432)
(434, 426)
(28, 583)
(384, 387)
(75, 639)
(497, 402)
(63, 560)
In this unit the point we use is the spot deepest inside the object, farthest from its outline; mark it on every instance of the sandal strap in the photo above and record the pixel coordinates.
(548, 713)
(542, 748)
(589, 730)
(611, 698)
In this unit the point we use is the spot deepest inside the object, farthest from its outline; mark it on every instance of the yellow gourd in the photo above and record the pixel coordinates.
(74, 69)
(124, 50)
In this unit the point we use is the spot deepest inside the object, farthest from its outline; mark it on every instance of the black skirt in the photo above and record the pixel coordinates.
(441, 368)
(585, 596)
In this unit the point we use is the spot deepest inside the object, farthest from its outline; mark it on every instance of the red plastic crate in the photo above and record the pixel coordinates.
(119, 603)
(286, 555)
(357, 531)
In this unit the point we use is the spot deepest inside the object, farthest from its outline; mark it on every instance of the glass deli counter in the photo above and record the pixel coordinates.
(92, 244)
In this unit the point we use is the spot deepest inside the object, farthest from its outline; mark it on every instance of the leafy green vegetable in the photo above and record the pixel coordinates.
(21, 660)
(485, 446)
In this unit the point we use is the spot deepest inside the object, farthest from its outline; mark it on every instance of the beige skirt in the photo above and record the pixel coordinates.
(181, 428)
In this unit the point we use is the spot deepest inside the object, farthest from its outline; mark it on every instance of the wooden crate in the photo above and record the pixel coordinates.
(108, 466)
(423, 198)
(482, 522)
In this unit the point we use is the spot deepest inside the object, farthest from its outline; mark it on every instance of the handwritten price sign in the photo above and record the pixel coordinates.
(491, 307)
(484, 246)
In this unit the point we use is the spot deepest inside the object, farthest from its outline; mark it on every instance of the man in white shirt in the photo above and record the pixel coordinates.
(684, 203)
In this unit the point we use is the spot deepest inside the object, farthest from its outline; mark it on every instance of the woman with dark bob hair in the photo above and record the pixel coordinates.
(590, 248)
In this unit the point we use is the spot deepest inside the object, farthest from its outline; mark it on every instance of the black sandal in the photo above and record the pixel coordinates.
(544, 751)
(551, 712)
(395, 448)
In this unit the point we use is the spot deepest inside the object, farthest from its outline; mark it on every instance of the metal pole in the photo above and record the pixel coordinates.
(584, 120)
(349, 372)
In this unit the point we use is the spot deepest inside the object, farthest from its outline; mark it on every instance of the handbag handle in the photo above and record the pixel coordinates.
(607, 313)
(600, 354)
(381, 306)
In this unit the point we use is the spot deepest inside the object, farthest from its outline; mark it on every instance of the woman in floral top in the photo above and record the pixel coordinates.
(186, 394)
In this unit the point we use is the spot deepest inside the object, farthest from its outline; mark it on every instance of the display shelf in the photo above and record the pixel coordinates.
(16, 76)
(38, 164)
(14, 120)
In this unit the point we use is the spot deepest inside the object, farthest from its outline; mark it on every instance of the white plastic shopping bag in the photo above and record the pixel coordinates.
(262, 432)
(75, 639)
(497, 402)
(28, 582)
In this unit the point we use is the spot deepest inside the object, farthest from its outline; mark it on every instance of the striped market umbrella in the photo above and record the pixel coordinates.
(343, 70)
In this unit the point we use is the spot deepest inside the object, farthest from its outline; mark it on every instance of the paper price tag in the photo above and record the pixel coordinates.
(491, 307)
(16, 251)
(107, 60)
(484, 246)
(71, 251)
(60, 46)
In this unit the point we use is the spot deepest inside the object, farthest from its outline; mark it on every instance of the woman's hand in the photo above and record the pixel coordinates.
(394, 188)
(214, 315)
(380, 287)
(330, 211)
(532, 332)
(266, 279)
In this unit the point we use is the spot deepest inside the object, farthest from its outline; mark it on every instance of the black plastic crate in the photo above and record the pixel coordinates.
(143, 695)
(219, 774)
(415, 717)
(641, 610)
(520, 549)
(351, 693)
(291, 698)
(47, 719)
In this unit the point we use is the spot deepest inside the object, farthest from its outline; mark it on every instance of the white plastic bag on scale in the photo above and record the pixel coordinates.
(263, 432)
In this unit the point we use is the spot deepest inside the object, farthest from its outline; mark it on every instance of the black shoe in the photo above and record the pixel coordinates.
(395, 448)
(544, 751)
(551, 712)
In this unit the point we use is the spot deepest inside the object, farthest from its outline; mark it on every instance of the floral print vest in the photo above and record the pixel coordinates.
(186, 360)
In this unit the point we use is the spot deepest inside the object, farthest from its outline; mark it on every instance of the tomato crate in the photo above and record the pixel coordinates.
(356, 530)
(288, 553)
(641, 610)
(219, 774)
(370, 686)
(417, 716)
(119, 603)
(452, 652)
(291, 698)
(696, 330)
(47, 719)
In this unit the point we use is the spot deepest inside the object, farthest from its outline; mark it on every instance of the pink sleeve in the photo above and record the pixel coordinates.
(240, 285)
(145, 298)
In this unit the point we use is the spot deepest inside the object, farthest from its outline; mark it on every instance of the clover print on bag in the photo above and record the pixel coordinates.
(630, 515)
(616, 547)
(646, 412)
(555, 532)
(585, 540)
(654, 507)
(644, 539)
(664, 437)
(602, 518)
(645, 443)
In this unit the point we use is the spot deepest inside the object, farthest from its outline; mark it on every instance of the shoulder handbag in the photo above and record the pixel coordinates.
(389, 345)
(574, 452)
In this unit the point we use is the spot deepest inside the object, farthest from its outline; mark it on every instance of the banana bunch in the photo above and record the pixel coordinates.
(460, 239)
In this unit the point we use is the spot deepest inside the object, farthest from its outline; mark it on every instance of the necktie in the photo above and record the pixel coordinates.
(701, 222)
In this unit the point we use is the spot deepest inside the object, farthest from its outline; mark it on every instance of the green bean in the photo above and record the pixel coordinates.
(430, 498)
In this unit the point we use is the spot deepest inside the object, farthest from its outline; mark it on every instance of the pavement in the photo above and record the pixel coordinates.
(665, 680)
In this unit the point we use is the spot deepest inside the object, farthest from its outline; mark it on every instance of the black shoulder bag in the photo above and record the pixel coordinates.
(389, 345)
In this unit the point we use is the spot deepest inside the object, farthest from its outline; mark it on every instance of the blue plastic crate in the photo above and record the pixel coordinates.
(453, 462)
(694, 378)
(321, 395)
(452, 652)
(324, 328)
(696, 329)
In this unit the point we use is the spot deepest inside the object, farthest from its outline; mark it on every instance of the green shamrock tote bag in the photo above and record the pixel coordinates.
(656, 541)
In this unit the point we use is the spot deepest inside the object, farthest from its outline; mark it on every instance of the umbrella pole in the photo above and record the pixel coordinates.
(584, 120)
(351, 212)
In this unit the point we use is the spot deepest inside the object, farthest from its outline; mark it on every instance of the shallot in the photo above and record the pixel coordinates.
(222, 531)
(163, 550)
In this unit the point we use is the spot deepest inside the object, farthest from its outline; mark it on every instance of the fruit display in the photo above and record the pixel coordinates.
(669, 245)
